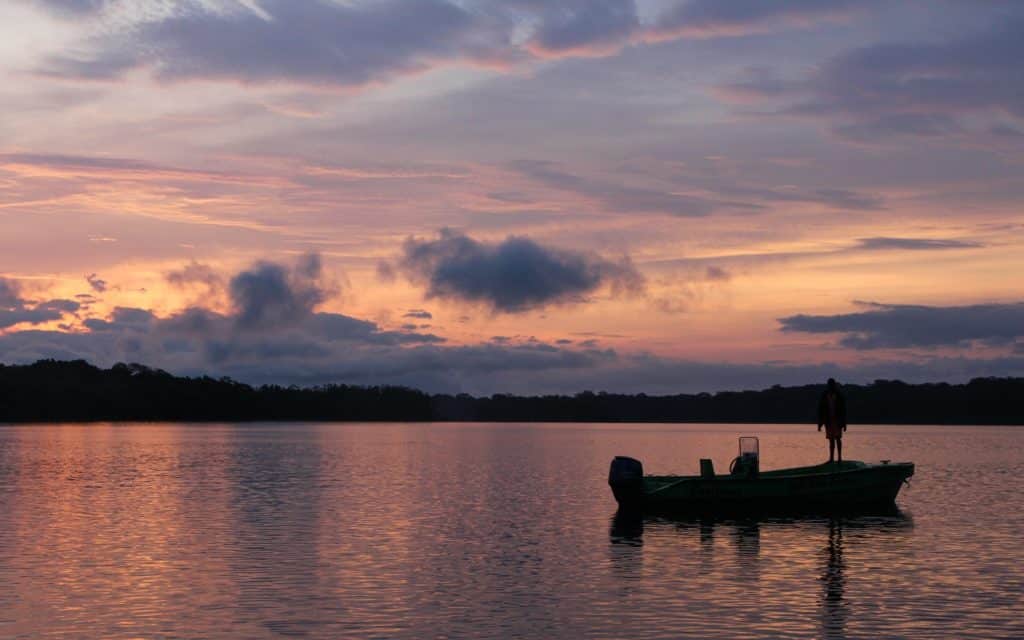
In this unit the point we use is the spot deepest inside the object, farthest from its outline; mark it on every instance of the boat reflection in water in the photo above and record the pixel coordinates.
(778, 576)
(833, 607)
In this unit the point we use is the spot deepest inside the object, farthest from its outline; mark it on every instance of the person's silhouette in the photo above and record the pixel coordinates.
(832, 415)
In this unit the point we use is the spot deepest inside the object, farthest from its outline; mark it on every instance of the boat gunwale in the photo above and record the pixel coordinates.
(823, 469)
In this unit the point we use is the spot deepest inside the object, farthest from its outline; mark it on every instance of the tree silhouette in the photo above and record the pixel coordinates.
(55, 391)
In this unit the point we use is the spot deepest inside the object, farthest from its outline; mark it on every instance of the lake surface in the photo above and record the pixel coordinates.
(488, 531)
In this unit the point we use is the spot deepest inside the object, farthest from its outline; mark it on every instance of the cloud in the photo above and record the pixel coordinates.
(272, 326)
(96, 283)
(921, 125)
(528, 368)
(14, 309)
(843, 199)
(270, 295)
(707, 18)
(717, 274)
(756, 83)
(583, 27)
(73, 8)
(512, 276)
(903, 326)
(951, 86)
(355, 44)
(64, 306)
(617, 197)
(922, 90)
(316, 42)
(9, 294)
(122, 319)
(621, 198)
(418, 313)
(316, 347)
(1006, 131)
(195, 273)
(914, 244)
(321, 42)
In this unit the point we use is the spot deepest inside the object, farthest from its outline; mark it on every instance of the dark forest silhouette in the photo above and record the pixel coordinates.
(50, 391)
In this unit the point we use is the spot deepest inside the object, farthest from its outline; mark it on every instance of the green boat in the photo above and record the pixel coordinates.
(848, 485)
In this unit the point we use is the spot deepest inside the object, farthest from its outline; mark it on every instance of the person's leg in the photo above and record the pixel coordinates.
(839, 449)
(831, 449)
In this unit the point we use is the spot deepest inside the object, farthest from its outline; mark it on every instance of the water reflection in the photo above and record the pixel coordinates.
(799, 550)
(496, 531)
(275, 489)
(834, 607)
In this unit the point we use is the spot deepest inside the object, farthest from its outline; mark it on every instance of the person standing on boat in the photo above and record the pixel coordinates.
(832, 415)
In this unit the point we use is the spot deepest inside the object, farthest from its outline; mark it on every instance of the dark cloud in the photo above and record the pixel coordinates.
(96, 283)
(902, 326)
(914, 244)
(333, 348)
(515, 275)
(422, 314)
(122, 319)
(14, 309)
(273, 327)
(269, 294)
(13, 316)
(63, 306)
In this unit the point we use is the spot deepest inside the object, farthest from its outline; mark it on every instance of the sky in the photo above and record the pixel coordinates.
(515, 196)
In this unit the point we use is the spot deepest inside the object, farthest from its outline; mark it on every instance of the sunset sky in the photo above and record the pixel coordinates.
(518, 196)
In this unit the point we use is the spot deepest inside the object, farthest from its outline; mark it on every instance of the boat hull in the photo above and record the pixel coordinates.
(829, 487)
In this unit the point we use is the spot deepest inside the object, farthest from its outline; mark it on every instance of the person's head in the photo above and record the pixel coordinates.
(831, 384)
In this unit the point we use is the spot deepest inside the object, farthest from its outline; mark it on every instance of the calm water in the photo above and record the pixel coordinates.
(492, 531)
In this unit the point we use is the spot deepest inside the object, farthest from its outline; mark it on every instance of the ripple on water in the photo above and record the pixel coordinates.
(500, 531)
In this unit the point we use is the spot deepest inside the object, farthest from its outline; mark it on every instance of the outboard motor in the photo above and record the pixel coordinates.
(626, 478)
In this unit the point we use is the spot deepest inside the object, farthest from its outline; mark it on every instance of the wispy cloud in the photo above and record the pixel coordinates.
(882, 243)
(622, 198)
(711, 18)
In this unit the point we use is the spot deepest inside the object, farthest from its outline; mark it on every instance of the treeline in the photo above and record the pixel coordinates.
(54, 391)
